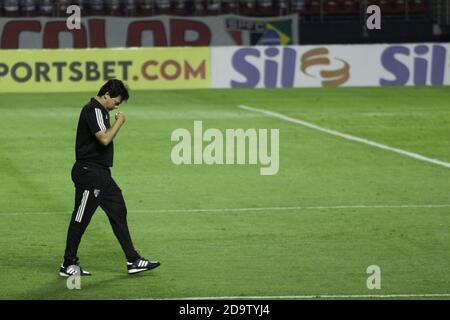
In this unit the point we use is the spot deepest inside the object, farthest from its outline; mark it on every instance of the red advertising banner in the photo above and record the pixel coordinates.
(159, 31)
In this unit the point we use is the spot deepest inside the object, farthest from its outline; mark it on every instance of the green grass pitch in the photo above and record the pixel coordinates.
(270, 252)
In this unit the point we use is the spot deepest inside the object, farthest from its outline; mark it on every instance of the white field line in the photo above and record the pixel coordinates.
(255, 209)
(346, 136)
(338, 296)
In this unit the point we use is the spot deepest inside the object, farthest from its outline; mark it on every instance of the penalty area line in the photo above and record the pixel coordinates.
(319, 296)
(346, 136)
(254, 209)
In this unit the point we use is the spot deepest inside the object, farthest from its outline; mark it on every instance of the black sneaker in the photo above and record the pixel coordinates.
(72, 270)
(141, 265)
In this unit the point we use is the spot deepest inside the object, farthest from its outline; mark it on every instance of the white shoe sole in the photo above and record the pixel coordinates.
(137, 270)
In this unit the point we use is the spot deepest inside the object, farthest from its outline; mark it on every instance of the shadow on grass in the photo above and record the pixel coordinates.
(106, 287)
(44, 283)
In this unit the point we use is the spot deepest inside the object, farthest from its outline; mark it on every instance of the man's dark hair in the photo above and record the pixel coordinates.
(115, 88)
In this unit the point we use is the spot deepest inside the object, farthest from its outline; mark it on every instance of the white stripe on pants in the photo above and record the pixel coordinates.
(82, 206)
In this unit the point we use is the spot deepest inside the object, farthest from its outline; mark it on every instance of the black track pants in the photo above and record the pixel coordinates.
(95, 187)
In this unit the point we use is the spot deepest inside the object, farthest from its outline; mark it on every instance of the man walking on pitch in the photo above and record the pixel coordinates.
(94, 185)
